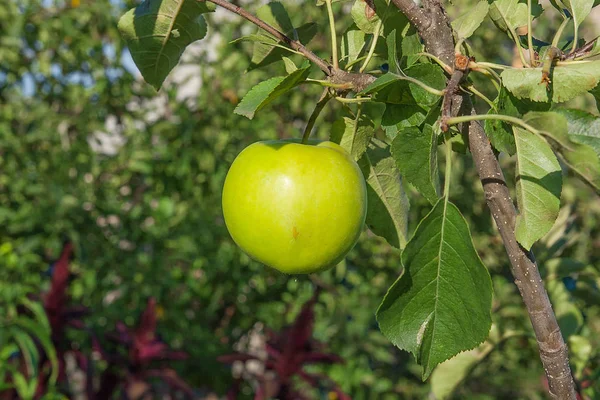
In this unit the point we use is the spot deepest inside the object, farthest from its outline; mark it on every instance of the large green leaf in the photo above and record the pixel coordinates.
(353, 134)
(387, 213)
(353, 44)
(441, 304)
(451, 373)
(266, 52)
(466, 24)
(415, 152)
(499, 132)
(583, 127)
(274, 13)
(568, 314)
(396, 117)
(392, 88)
(579, 9)
(157, 33)
(392, 49)
(411, 46)
(512, 14)
(568, 82)
(39, 331)
(267, 91)
(580, 158)
(539, 183)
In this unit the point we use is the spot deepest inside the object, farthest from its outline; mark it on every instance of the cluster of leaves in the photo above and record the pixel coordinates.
(36, 348)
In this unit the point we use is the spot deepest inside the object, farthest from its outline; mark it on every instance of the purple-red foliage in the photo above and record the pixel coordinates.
(137, 352)
(287, 353)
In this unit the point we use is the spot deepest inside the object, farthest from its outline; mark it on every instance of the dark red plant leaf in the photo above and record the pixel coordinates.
(145, 332)
(55, 299)
(143, 353)
(301, 330)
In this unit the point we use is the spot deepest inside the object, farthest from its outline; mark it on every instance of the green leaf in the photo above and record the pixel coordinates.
(580, 158)
(411, 46)
(381, 82)
(353, 135)
(568, 82)
(387, 212)
(579, 9)
(441, 304)
(580, 352)
(157, 33)
(451, 373)
(265, 92)
(274, 14)
(290, 66)
(583, 127)
(466, 24)
(567, 313)
(395, 117)
(392, 49)
(430, 74)
(264, 51)
(353, 44)
(499, 132)
(25, 388)
(401, 91)
(415, 153)
(364, 15)
(512, 14)
(539, 183)
(43, 337)
(596, 93)
(28, 350)
(37, 309)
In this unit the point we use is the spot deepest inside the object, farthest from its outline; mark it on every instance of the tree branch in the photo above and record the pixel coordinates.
(294, 44)
(553, 350)
(433, 26)
(337, 76)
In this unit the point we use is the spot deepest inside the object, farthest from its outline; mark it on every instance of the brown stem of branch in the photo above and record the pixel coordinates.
(294, 44)
(357, 81)
(553, 350)
(433, 26)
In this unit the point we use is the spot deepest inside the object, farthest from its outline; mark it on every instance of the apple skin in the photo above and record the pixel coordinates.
(298, 208)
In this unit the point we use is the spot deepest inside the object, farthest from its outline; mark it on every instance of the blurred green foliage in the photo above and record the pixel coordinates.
(90, 153)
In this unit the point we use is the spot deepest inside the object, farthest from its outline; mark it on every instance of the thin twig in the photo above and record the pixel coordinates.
(473, 89)
(530, 35)
(334, 50)
(294, 44)
(373, 45)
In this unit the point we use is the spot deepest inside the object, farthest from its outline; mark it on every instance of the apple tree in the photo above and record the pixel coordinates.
(403, 81)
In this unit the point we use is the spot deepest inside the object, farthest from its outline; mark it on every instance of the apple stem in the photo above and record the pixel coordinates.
(325, 97)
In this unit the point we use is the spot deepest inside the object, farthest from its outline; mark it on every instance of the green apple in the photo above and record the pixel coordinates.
(298, 208)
